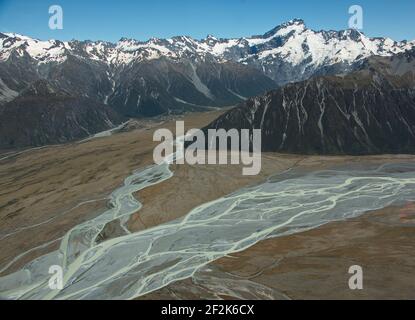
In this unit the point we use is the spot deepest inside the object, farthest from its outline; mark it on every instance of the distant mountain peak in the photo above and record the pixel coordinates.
(292, 25)
(292, 22)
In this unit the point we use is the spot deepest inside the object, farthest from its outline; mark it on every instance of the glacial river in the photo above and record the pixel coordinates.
(135, 264)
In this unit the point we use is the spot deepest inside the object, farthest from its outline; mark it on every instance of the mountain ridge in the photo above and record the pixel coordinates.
(242, 49)
(368, 111)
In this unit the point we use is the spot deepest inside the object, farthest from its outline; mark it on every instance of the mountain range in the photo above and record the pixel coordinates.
(144, 79)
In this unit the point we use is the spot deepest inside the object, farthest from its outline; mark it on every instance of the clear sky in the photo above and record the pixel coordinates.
(142, 19)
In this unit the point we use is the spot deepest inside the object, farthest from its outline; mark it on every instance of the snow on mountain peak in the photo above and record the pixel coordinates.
(294, 22)
(289, 43)
(44, 51)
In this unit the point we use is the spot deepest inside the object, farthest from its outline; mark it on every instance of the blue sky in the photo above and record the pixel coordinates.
(143, 19)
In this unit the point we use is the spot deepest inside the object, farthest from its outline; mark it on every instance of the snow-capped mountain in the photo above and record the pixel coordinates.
(137, 79)
(291, 41)
(181, 73)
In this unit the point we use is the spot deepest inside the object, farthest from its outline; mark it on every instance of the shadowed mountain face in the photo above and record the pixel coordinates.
(369, 111)
(164, 86)
(44, 115)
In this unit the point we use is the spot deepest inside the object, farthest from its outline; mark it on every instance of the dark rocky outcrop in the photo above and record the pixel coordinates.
(44, 115)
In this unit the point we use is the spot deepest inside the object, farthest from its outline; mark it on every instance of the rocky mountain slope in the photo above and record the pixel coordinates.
(43, 114)
(369, 111)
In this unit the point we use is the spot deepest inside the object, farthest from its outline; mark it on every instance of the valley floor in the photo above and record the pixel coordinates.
(45, 192)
